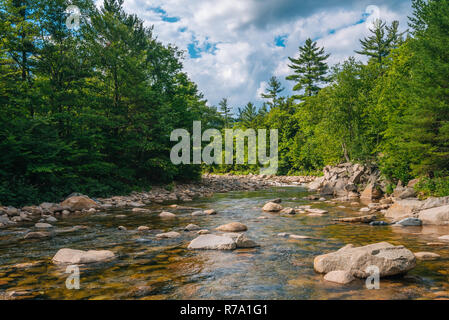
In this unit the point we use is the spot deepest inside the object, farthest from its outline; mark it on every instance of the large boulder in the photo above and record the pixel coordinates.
(79, 203)
(71, 256)
(403, 208)
(435, 216)
(391, 260)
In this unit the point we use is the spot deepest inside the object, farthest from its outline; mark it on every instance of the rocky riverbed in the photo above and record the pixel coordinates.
(231, 237)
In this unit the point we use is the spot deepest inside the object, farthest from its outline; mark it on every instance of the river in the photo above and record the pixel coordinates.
(281, 268)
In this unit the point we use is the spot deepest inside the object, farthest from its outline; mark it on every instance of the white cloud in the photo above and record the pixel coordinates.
(246, 55)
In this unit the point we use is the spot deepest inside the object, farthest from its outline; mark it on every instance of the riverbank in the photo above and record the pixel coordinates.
(77, 204)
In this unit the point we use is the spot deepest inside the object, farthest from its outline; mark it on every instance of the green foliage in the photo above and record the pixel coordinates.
(436, 187)
(88, 110)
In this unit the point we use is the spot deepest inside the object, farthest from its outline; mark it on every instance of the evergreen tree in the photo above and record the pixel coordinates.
(225, 111)
(248, 115)
(310, 69)
(383, 39)
(272, 92)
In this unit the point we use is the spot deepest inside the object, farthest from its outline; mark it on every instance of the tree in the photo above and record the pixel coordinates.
(272, 92)
(383, 39)
(310, 69)
(248, 115)
(226, 111)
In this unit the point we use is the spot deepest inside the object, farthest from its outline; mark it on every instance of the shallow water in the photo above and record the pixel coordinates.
(147, 268)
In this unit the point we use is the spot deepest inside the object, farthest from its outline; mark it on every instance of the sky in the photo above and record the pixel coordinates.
(233, 47)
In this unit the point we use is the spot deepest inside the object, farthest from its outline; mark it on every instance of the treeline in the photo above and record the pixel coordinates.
(88, 109)
(392, 110)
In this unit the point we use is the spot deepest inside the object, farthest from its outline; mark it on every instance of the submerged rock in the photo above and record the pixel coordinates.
(191, 227)
(362, 219)
(71, 256)
(232, 227)
(391, 260)
(143, 228)
(427, 256)
(168, 235)
(210, 212)
(37, 235)
(167, 215)
(41, 225)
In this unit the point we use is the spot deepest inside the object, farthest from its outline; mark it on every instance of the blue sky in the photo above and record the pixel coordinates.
(233, 47)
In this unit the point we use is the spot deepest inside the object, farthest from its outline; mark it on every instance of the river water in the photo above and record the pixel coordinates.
(148, 268)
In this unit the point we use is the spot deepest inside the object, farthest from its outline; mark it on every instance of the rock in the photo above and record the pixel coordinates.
(435, 216)
(434, 202)
(427, 256)
(167, 215)
(436, 244)
(203, 231)
(79, 203)
(37, 235)
(365, 210)
(168, 235)
(404, 193)
(51, 219)
(212, 242)
(372, 192)
(210, 212)
(412, 183)
(143, 228)
(272, 207)
(12, 212)
(379, 223)
(92, 210)
(391, 260)
(403, 208)
(135, 204)
(4, 220)
(41, 225)
(445, 238)
(410, 222)
(339, 276)
(122, 228)
(283, 235)
(198, 213)
(34, 210)
(386, 201)
(192, 227)
(241, 240)
(296, 237)
(278, 201)
(362, 219)
(316, 211)
(315, 185)
(288, 211)
(70, 256)
(232, 227)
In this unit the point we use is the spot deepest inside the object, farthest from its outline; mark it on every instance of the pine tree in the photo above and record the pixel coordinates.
(310, 69)
(225, 111)
(272, 92)
(248, 115)
(383, 39)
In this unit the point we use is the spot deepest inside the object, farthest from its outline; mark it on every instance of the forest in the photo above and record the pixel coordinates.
(91, 109)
